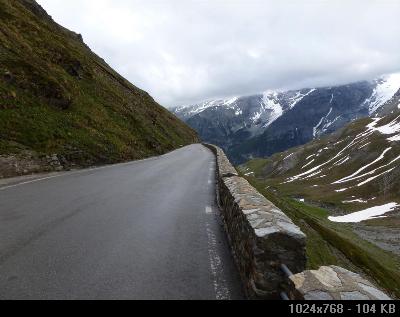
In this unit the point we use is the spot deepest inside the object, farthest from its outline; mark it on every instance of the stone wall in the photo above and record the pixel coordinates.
(334, 283)
(262, 237)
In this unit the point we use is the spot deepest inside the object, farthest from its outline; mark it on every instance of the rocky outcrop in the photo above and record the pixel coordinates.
(261, 236)
(334, 283)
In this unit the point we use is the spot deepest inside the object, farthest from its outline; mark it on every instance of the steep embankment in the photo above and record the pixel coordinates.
(61, 105)
(345, 190)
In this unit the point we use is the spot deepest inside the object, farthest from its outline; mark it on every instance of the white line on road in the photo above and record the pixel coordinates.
(208, 210)
(212, 172)
(82, 171)
(33, 181)
(217, 271)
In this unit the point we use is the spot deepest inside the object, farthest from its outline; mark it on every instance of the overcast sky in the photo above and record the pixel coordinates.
(185, 51)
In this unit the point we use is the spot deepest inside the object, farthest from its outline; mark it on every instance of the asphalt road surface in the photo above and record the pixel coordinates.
(141, 230)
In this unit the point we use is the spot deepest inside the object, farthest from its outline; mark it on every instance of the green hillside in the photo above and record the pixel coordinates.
(58, 97)
(355, 168)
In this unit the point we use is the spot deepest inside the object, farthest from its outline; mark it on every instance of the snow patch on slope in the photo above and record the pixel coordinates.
(361, 201)
(353, 176)
(391, 128)
(367, 214)
(359, 138)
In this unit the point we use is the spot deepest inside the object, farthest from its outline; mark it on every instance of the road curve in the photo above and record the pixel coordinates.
(141, 230)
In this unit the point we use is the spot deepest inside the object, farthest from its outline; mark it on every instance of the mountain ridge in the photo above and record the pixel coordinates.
(274, 121)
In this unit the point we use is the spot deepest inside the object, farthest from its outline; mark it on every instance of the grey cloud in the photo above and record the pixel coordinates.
(184, 51)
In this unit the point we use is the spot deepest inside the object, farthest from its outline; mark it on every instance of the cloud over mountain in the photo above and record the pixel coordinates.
(186, 51)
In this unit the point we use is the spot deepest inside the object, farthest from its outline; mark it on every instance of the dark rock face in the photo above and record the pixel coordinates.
(261, 125)
(71, 65)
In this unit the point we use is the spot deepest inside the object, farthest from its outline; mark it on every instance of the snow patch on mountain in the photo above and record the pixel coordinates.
(299, 97)
(270, 102)
(230, 102)
(385, 89)
(326, 125)
(192, 110)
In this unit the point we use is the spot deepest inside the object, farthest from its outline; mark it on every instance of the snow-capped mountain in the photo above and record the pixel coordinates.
(274, 121)
(230, 122)
(256, 112)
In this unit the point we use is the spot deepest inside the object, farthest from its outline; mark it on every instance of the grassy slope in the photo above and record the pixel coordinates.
(331, 243)
(328, 242)
(56, 96)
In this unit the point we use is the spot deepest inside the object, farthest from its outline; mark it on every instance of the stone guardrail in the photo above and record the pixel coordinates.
(261, 236)
(334, 283)
(267, 247)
